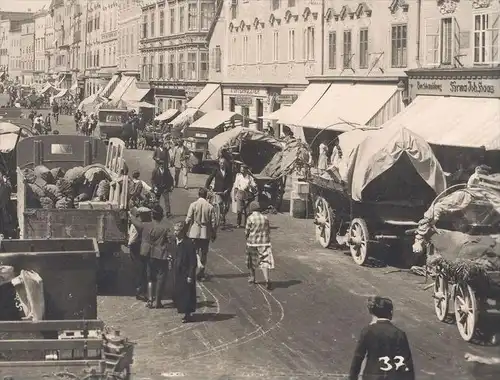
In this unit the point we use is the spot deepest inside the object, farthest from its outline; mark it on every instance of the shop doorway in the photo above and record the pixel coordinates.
(232, 104)
(260, 113)
(245, 112)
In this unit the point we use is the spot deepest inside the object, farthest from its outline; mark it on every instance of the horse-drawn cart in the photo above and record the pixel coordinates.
(379, 188)
(460, 235)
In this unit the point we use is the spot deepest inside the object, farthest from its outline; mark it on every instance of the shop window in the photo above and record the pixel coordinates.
(204, 64)
(232, 104)
(291, 45)
(347, 56)
(399, 45)
(363, 49)
(245, 112)
(332, 50)
(486, 38)
(192, 16)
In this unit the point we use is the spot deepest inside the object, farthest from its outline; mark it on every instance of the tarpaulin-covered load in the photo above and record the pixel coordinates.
(9, 136)
(255, 148)
(294, 156)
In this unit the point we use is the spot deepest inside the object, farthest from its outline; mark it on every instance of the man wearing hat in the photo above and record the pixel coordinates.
(154, 237)
(134, 244)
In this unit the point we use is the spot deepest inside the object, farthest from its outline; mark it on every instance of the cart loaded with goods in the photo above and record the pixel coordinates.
(460, 234)
(269, 159)
(73, 187)
(49, 331)
(383, 182)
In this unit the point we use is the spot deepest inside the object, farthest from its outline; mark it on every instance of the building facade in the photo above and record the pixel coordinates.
(259, 48)
(128, 25)
(76, 56)
(174, 49)
(50, 46)
(40, 68)
(61, 14)
(27, 52)
(109, 42)
(4, 46)
(92, 48)
(15, 68)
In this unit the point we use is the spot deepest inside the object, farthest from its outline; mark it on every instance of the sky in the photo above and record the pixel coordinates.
(23, 5)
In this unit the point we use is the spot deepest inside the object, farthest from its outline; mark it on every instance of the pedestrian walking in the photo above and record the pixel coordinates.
(222, 179)
(154, 237)
(184, 294)
(244, 190)
(259, 249)
(161, 155)
(140, 262)
(180, 163)
(162, 182)
(48, 124)
(385, 347)
(77, 117)
(135, 189)
(5, 217)
(201, 223)
(55, 111)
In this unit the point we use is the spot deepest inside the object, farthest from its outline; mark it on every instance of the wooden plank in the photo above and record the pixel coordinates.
(28, 326)
(50, 344)
(52, 363)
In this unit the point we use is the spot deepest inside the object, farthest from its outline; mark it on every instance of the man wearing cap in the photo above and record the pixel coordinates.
(134, 244)
(259, 251)
(201, 222)
(154, 237)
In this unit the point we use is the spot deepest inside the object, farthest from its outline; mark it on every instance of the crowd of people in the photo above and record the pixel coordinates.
(85, 124)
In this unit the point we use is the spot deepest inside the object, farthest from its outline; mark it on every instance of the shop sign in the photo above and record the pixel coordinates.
(482, 88)
(245, 91)
(286, 99)
(244, 101)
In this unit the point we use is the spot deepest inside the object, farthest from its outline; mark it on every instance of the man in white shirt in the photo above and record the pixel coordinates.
(134, 245)
(244, 191)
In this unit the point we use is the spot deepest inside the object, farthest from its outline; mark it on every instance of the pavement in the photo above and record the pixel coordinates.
(306, 328)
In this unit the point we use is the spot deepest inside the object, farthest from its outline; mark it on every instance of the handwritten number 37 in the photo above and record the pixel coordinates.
(395, 364)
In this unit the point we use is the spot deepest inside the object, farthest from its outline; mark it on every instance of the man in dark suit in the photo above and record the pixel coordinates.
(222, 184)
(162, 182)
(154, 237)
(385, 347)
(161, 155)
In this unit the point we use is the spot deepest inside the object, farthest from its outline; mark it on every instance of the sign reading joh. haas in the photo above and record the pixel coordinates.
(478, 88)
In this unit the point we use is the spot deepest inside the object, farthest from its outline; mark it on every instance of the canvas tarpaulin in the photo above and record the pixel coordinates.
(234, 137)
(295, 153)
(9, 135)
(382, 149)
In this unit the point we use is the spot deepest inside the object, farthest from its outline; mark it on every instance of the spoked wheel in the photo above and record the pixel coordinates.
(359, 241)
(324, 221)
(466, 311)
(441, 298)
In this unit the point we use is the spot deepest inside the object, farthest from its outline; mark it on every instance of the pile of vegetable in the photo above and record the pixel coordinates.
(63, 190)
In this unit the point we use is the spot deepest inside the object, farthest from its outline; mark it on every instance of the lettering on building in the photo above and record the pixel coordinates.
(433, 86)
(245, 91)
(488, 88)
(475, 87)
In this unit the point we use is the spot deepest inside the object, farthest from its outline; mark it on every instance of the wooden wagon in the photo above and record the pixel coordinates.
(462, 223)
(378, 191)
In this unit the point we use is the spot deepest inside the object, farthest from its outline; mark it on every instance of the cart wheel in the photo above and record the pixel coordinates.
(466, 311)
(441, 298)
(359, 241)
(324, 221)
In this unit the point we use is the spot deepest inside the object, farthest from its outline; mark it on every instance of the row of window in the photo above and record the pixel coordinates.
(181, 66)
(40, 44)
(27, 65)
(27, 50)
(128, 44)
(40, 65)
(94, 24)
(109, 23)
(275, 5)
(109, 56)
(178, 21)
(15, 64)
(165, 104)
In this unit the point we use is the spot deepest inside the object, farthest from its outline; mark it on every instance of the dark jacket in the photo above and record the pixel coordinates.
(387, 352)
(161, 178)
(185, 262)
(154, 237)
(161, 155)
(221, 182)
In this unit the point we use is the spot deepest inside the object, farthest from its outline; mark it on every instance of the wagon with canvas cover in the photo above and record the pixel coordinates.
(379, 188)
(270, 160)
(460, 233)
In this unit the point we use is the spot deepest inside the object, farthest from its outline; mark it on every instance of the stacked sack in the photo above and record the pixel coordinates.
(55, 188)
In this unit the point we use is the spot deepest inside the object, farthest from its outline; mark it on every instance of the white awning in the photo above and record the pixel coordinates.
(276, 115)
(140, 105)
(107, 90)
(453, 121)
(74, 86)
(215, 118)
(305, 102)
(167, 115)
(209, 98)
(186, 117)
(133, 93)
(347, 106)
(120, 89)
